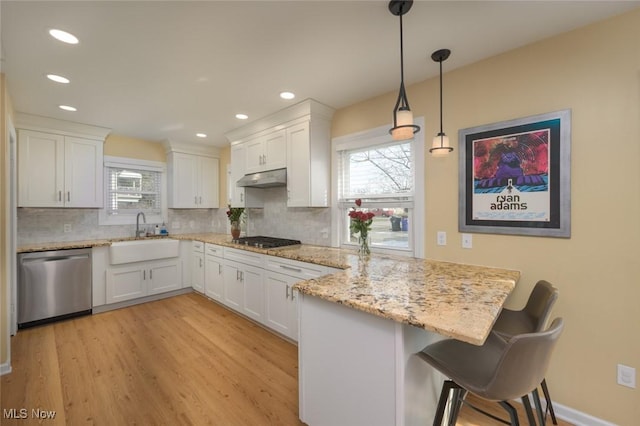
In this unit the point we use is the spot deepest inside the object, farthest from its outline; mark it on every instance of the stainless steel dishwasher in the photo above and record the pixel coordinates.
(53, 285)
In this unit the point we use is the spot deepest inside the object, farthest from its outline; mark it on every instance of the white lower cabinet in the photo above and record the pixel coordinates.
(135, 280)
(253, 284)
(281, 313)
(214, 272)
(197, 267)
(233, 285)
(243, 283)
(281, 304)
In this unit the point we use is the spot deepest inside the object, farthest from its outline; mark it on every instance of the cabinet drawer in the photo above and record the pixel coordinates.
(244, 256)
(213, 250)
(198, 246)
(294, 268)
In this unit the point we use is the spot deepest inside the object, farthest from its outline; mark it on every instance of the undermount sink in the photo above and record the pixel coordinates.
(143, 250)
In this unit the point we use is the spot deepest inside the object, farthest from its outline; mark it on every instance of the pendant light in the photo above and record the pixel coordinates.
(440, 145)
(403, 127)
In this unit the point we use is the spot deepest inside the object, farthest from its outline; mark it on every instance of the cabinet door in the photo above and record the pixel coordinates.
(254, 155)
(214, 278)
(238, 167)
(280, 307)
(298, 166)
(126, 282)
(275, 151)
(208, 193)
(83, 173)
(40, 169)
(164, 276)
(233, 286)
(197, 272)
(183, 181)
(253, 285)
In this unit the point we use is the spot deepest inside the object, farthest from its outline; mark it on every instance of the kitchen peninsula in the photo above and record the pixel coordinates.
(360, 327)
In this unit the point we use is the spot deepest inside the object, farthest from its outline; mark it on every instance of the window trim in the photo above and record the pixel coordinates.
(370, 137)
(134, 163)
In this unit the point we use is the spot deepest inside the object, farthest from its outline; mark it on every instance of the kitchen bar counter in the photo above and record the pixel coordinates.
(359, 331)
(451, 299)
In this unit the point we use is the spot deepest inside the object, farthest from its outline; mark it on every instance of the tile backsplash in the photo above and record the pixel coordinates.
(309, 225)
(48, 225)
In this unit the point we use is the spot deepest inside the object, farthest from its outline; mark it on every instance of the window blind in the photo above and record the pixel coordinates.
(131, 190)
(377, 173)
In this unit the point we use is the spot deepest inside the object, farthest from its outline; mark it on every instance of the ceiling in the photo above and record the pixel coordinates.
(161, 70)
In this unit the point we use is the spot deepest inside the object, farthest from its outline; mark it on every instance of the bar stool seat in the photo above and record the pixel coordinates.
(498, 371)
(531, 318)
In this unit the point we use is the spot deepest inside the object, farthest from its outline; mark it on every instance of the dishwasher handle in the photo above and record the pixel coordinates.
(55, 258)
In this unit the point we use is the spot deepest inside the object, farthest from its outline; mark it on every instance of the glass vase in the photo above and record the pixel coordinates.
(363, 244)
(235, 230)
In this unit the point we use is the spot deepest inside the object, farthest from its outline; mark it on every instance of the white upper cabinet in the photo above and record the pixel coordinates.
(239, 196)
(297, 138)
(193, 181)
(308, 164)
(266, 152)
(59, 163)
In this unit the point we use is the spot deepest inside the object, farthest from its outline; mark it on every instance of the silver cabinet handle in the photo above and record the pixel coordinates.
(59, 195)
(219, 269)
(150, 274)
(287, 291)
(237, 275)
(200, 198)
(200, 262)
(144, 274)
(291, 268)
(68, 195)
(242, 197)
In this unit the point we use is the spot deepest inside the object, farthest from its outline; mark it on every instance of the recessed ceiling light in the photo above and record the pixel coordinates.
(57, 78)
(63, 36)
(242, 116)
(287, 95)
(201, 135)
(67, 108)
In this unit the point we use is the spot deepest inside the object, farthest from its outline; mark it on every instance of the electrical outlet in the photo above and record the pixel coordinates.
(67, 227)
(627, 376)
(442, 238)
(467, 241)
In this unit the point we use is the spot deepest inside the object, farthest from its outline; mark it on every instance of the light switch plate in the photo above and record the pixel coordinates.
(626, 376)
(467, 241)
(442, 238)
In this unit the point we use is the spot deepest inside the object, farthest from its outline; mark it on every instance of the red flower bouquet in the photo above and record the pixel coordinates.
(361, 224)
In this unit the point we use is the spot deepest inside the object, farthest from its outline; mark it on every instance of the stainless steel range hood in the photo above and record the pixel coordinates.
(268, 179)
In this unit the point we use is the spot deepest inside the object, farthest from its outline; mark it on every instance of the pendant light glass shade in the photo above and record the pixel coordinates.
(441, 146)
(403, 127)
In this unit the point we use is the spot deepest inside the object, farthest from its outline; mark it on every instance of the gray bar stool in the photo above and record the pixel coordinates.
(498, 371)
(532, 318)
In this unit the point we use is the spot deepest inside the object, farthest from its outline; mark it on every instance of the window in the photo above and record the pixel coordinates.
(133, 186)
(383, 174)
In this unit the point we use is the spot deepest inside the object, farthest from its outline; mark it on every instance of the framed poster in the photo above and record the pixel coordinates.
(515, 176)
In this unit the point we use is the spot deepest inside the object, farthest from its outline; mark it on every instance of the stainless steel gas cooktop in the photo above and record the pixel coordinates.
(265, 242)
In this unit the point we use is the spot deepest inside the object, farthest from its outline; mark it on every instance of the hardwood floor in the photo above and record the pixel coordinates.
(178, 361)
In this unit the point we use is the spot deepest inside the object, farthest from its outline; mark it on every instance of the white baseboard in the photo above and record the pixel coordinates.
(578, 418)
(5, 368)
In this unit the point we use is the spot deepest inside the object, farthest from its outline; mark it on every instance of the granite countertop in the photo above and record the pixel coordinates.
(454, 300)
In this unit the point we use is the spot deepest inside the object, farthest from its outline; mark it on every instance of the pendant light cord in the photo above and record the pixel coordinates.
(441, 98)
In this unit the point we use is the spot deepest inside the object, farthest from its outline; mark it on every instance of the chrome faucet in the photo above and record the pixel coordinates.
(140, 233)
